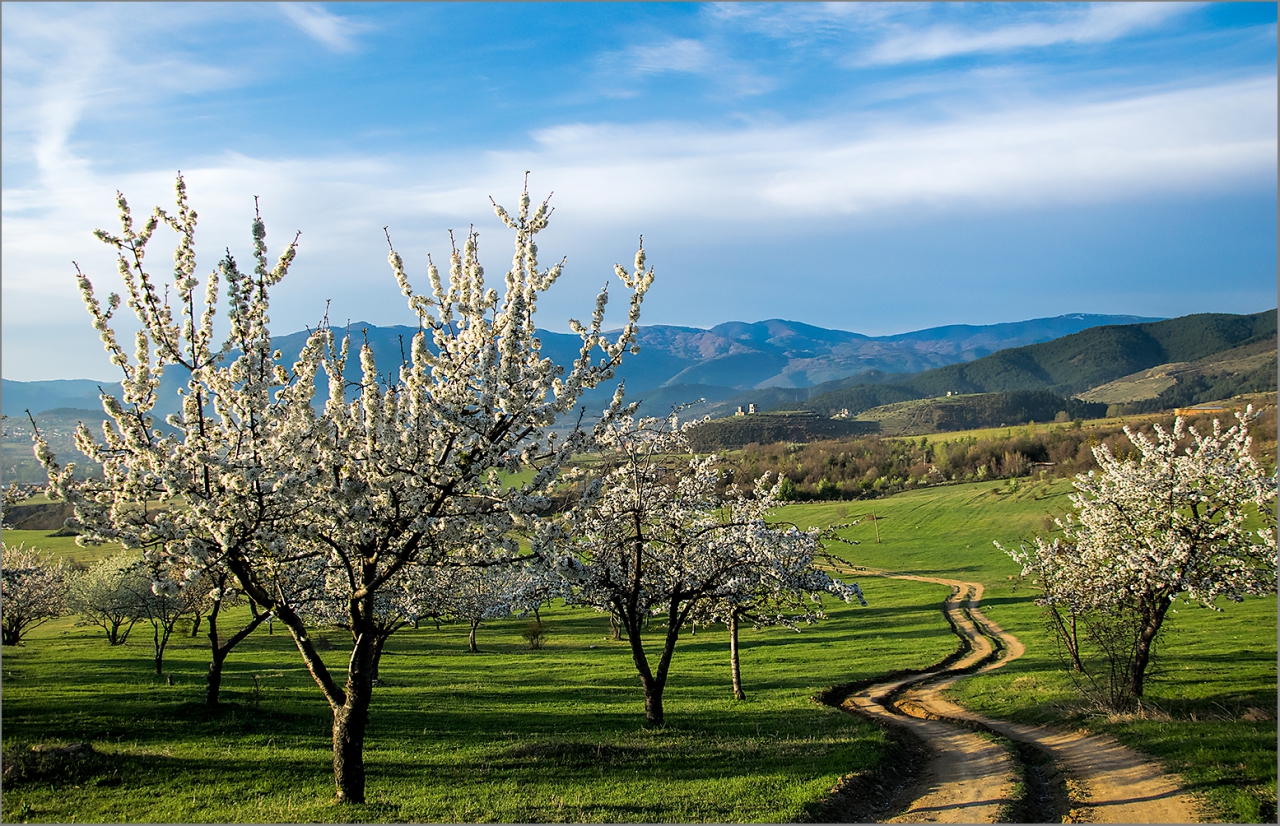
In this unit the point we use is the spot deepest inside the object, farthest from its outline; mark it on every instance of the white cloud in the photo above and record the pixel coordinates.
(1199, 138)
(675, 55)
(895, 33)
(687, 56)
(334, 31)
(612, 180)
(1096, 23)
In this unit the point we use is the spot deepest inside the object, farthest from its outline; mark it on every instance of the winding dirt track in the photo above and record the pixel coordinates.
(970, 777)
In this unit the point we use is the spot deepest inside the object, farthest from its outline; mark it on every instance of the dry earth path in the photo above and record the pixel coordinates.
(970, 776)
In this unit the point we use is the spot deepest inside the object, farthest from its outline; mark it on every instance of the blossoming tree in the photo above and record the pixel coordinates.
(471, 594)
(786, 591)
(402, 472)
(653, 537)
(32, 591)
(1175, 521)
(215, 485)
(102, 596)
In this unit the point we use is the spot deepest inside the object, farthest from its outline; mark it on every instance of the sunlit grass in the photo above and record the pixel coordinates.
(509, 734)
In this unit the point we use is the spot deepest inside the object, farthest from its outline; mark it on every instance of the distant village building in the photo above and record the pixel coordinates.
(751, 408)
(740, 412)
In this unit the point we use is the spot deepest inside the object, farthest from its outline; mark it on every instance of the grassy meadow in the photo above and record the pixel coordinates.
(509, 734)
(557, 734)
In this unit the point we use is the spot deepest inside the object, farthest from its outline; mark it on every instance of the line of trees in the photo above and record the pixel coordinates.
(875, 466)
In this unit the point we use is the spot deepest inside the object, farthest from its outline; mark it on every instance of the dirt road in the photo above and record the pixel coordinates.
(970, 777)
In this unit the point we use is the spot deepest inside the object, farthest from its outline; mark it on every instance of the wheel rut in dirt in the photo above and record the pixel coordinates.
(961, 767)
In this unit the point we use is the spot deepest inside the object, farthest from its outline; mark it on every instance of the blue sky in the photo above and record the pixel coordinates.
(870, 167)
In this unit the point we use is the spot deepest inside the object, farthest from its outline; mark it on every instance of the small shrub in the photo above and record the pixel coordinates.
(534, 633)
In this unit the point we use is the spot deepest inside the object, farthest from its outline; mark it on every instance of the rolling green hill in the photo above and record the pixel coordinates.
(1249, 368)
(1069, 365)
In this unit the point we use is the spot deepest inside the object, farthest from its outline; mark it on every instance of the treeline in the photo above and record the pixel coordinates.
(986, 410)
(875, 466)
(765, 428)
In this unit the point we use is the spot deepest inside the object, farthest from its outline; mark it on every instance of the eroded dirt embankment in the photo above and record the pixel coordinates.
(963, 769)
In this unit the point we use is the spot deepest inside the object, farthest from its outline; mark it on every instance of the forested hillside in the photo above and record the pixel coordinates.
(977, 411)
(1069, 365)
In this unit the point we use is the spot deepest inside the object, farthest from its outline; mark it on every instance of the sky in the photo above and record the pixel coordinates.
(877, 168)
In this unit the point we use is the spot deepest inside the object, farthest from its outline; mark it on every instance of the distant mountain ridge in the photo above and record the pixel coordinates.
(718, 362)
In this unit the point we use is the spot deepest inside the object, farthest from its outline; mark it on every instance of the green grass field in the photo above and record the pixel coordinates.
(556, 735)
(505, 735)
(64, 547)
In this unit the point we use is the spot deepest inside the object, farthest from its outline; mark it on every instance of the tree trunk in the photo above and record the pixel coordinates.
(161, 640)
(213, 682)
(471, 639)
(653, 703)
(1153, 618)
(1068, 635)
(1075, 646)
(734, 669)
(114, 635)
(379, 642)
(350, 720)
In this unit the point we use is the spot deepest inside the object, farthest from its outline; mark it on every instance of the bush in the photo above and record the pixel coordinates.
(534, 633)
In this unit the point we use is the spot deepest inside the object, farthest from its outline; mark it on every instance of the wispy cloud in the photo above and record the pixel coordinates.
(334, 31)
(897, 33)
(674, 55)
(683, 55)
(1097, 23)
(57, 75)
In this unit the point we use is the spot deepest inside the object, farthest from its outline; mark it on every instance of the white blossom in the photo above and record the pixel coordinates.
(33, 591)
(1169, 523)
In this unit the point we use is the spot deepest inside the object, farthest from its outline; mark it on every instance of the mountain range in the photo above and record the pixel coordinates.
(1126, 368)
(677, 364)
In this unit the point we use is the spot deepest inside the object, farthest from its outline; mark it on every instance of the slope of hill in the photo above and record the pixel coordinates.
(58, 426)
(768, 428)
(1069, 365)
(1248, 362)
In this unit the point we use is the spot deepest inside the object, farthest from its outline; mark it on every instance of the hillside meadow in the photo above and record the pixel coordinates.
(518, 735)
